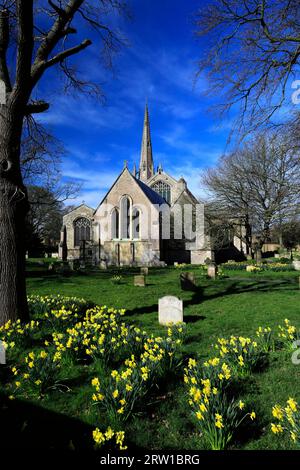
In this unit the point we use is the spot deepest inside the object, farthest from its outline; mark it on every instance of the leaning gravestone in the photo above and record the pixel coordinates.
(170, 310)
(212, 270)
(139, 281)
(187, 281)
(145, 271)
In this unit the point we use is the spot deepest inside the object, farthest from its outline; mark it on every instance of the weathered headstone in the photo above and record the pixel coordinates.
(187, 281)
(71, 265)
(212, 270)
(277, 255)
(296, 265)
(26, 255)
(170, 310)
(81, 264)
(175, 264)
(103, 264)
(139, 281)
(145, 271)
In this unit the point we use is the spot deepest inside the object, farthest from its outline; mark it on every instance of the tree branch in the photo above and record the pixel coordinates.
(67, 53)
(36, 107)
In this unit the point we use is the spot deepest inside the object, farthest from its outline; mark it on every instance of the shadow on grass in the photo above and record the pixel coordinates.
(235, 287)
(28, 426)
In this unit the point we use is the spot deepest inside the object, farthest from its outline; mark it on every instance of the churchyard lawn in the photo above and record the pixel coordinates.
(236, 304)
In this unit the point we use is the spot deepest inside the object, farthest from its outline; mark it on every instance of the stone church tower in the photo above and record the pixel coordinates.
(147, 218)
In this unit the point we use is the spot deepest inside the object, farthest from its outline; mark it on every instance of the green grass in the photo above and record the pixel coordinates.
(236, 305)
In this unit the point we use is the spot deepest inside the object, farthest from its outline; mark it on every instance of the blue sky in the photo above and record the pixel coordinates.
(159, 65)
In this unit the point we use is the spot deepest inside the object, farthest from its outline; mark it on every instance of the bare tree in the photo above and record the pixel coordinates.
(251, 53)
(256, 186)
(38, 36)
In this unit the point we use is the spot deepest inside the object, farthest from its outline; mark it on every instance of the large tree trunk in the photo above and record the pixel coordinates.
(13, 209)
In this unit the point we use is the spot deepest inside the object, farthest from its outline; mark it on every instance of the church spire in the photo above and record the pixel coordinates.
(146, 163)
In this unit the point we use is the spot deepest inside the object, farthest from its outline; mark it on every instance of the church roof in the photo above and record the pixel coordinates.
(154, 197)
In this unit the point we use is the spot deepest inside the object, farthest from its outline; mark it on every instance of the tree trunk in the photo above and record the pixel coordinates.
(13, 209)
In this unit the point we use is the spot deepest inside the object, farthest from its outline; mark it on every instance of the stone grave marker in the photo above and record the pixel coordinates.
(139, 281)
(212, 270)
(145, 270)
(170, 310)
(296, 264)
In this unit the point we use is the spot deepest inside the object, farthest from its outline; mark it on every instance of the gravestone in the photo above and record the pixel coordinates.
(71, 265)
(277, 255)
(296, 265)
(103, 264)
(187, 281)
(170, 310)
(139, 281)
(145, 271)
(212, 270)
(175, 263)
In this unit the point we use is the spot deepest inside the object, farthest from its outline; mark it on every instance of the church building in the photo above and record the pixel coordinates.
(147, 218)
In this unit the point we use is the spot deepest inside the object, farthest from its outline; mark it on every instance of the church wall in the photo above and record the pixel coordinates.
(140, 253)
(68, 222)
(147, 248)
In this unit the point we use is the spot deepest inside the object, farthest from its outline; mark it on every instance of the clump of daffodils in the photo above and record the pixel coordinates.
(37, 375)
(287, 334)
(120, 393)
(16, 334)
(217, 415)
(100, 438)
(265, 338)
(241, 353)
(287, 420)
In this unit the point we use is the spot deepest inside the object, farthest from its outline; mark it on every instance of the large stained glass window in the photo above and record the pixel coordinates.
(163, 189)
(82, 230)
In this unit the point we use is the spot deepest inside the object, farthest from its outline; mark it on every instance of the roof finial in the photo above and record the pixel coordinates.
(125, 164)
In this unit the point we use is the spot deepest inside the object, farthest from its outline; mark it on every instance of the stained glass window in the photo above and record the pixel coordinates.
(163, 189)
(82, 230)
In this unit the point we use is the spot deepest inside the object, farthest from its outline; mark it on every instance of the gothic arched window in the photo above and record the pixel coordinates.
(115, 232)
(82, 230)
(125, 217)
(136, 223)
(164, 189)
